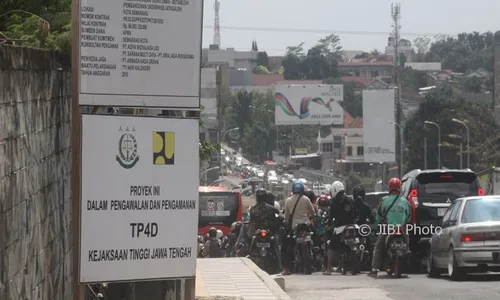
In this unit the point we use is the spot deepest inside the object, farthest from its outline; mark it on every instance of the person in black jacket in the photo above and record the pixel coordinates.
(363, 210)
(342, 212)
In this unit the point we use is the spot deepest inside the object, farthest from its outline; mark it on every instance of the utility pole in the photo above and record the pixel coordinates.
(396, 15)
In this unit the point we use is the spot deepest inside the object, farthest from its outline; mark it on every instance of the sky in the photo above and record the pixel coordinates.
(360, 24)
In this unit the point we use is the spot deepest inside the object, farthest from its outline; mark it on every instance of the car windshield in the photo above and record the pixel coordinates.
(452, 184)
(481, 210)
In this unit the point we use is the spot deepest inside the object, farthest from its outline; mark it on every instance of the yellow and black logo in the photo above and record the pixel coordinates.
(163, 147)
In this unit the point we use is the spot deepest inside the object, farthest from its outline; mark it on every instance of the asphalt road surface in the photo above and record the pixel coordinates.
(413, 287)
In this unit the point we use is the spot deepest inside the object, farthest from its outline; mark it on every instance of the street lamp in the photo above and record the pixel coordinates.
(222, 141)
(206, 171)
(439, 140)
(468, 139)
(400, 147)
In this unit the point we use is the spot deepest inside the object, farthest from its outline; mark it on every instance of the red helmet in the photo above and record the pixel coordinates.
(323, 201)
(394, 185)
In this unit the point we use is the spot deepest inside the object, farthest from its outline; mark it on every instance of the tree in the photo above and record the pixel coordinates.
(261, 70)
(254, 46)
(422, 46)
(319, 63)
(413, 79)
(263, 59)
(42, 24)
(466, 52)
(441, 106)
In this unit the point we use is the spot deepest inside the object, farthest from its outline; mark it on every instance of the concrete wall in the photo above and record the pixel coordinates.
(35, 166)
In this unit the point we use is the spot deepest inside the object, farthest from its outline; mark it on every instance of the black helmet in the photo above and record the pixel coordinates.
(236, 226)
(310, 195)
(261, 195)
(270, 198)
(358, 191)
(212, 232)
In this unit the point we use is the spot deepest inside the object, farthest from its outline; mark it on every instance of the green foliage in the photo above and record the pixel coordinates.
(441, 106)
(352, 180)
(261, 70)
(40, 24)
(320, 62)
(467, 51)
(207, 150)
(263, 59)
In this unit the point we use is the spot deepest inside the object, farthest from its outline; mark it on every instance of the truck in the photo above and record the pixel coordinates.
(489, 180)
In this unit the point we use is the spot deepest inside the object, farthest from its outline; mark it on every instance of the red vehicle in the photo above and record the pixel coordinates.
(219, 208)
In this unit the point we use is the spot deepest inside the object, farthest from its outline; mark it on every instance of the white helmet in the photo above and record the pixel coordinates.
(220, 234)
(337, 187)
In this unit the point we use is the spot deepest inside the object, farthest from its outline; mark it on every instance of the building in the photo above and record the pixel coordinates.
(424, 66)
(241, 63)
(380, 69)
(404, 47)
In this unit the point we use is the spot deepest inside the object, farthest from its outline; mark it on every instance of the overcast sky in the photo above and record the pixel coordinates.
(361, 24)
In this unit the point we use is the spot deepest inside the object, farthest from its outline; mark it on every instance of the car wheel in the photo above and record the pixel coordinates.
(454, 271)
(432, 271)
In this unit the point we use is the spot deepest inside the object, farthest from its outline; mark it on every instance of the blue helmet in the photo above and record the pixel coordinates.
(298, 187)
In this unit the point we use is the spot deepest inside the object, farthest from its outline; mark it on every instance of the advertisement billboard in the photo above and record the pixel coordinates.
(379, 139)
(309, 104)
(131, 53)
(139, 198)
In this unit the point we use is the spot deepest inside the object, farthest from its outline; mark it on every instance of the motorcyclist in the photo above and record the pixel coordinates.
(392, 211)
(301, 207)
(212, 247)
(342, 213)
(265, 216)
(323, 203)
(363, 209)
(230, 242)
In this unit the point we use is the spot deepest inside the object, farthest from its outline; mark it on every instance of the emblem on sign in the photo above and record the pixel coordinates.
(127, 149)
(448, 201)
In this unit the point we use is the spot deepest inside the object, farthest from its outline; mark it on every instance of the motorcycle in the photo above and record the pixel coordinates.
(353, 249)
(396, 250)
(303, 249)
(263, 254)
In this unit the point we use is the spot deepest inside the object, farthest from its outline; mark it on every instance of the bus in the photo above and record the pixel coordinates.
(218, 208)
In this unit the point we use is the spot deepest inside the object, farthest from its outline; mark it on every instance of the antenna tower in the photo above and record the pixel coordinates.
(216, 23)
(396, 16)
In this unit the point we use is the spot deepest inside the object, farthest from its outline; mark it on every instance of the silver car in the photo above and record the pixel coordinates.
(469, 239)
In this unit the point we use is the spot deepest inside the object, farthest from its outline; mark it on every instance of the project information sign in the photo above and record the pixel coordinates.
(139, 199)
(379, 138)
(144, 53)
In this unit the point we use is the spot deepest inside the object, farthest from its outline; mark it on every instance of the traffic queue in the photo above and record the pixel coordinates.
(336, 232)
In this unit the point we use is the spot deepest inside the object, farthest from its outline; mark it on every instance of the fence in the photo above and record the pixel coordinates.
(35, 166)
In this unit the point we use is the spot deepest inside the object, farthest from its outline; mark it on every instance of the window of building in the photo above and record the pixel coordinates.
(356, 73)
(349, 150)
(360, 151)
(326, 147)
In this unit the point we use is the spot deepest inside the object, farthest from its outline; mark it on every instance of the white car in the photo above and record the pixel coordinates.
(285, 181)
(260, 173)
(272, 179)
(272, 173)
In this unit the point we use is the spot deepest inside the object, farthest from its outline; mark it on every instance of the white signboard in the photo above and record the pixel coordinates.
(139, 200)
(309, 104)
(140, 53)
(379, 139)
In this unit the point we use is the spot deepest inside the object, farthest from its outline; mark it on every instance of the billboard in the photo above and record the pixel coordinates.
(379, 140)
(309, 104)
(139, 198)
(131, 53)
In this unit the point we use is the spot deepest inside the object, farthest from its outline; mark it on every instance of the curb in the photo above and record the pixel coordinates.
(271, 283)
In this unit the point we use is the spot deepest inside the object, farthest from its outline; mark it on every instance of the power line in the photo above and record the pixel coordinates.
(348, 32)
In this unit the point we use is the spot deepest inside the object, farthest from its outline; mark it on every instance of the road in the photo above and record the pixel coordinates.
(413, 287)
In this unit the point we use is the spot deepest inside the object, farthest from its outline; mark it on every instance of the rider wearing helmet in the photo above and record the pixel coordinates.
(323, 202)
(393, 210)
(266, 217)
(342, 210)
(298, 209)
(212, 247)
(363, 210)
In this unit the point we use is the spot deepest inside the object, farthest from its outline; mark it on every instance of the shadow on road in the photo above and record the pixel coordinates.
(475, 278)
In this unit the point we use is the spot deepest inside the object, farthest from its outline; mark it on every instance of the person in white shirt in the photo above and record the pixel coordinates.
(303, 210)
